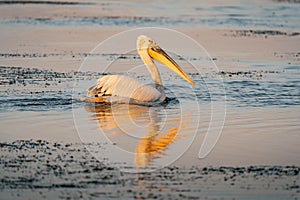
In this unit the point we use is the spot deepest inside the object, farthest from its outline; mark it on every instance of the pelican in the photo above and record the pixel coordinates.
(121, 89)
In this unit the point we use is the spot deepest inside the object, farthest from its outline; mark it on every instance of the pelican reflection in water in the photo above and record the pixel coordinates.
(123, 89)
(158, 137)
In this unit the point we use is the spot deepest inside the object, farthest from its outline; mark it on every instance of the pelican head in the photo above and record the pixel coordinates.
(149, 49)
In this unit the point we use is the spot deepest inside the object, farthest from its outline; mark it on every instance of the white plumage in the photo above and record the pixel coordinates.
(124, 89)
(124, 86)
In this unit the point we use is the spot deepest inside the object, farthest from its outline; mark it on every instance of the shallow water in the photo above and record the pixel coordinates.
(55, 146)
(266, 85)
(152, 135)
(233, 14)
(64, 174)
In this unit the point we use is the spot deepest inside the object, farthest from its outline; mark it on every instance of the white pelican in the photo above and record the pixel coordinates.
(123, 89)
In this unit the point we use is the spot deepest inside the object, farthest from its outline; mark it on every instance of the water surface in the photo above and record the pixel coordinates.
(262, 98)
(234, 14)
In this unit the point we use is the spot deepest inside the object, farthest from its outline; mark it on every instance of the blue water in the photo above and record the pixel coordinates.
(274, 88)
(229, 14)
(257, 88)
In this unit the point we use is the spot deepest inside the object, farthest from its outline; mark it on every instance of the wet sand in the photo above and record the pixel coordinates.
(256, 157)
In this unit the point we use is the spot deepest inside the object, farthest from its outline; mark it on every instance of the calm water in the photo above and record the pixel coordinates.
(151, 136)
(258, 14)
(263, 86)
(262, 101)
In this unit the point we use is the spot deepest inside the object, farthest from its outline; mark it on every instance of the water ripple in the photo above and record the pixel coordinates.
(194, 13)
(42, 90)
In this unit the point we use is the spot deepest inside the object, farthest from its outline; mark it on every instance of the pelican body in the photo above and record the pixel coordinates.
(124, 89)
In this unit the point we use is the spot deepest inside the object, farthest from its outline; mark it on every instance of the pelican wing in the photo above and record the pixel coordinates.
(117, 86)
